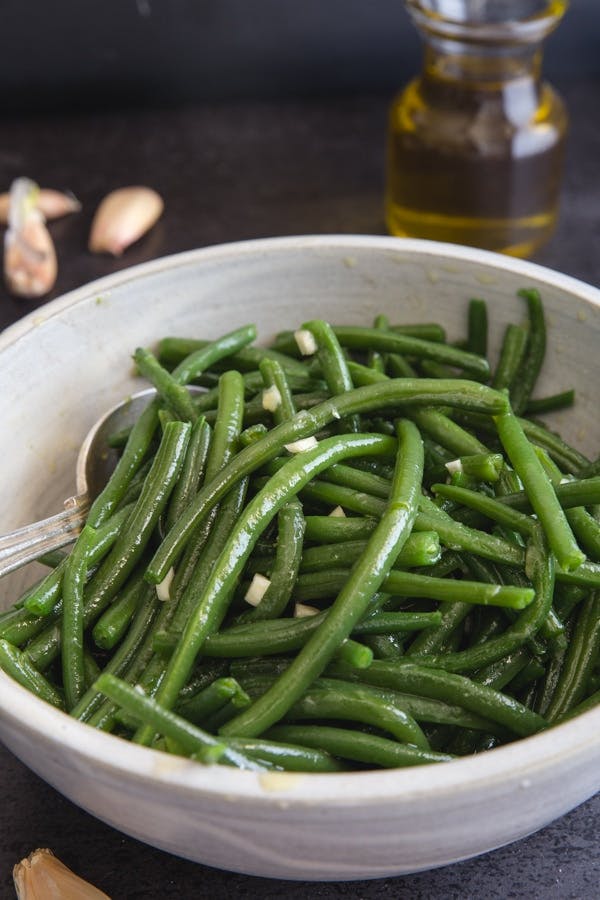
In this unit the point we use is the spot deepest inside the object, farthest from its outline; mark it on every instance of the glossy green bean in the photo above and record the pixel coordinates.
(18, 666)
(356, 745)
(73, 584)
(353, 600)
(540, 492)
(477, 327)
(580, 660)
(511, 356)
(190, 737)
(307, 423)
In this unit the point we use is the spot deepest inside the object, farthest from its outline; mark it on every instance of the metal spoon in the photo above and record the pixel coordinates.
(95, 462)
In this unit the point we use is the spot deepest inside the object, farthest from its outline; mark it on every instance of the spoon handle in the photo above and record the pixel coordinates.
(28, 543)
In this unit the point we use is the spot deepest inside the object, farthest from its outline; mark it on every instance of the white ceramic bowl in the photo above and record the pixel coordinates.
(63, 365)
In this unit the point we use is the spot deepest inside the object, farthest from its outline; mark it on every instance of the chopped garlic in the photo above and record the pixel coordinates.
(257, 590)
(302, 445)
(163, 589)
(338, 512)
(271, 398)
(454, 465)
(302, 611)
(305, 339)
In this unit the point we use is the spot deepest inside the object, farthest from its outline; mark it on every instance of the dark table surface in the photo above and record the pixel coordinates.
(229, 173)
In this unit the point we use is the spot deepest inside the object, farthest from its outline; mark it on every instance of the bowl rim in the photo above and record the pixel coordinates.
(112, 756)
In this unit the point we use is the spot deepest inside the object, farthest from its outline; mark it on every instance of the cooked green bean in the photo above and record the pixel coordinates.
(580, 659)
(73, 584)
(305, 424)
(190, 737)
(477, 328)
(353, 600)
(19, 667)
(540, 492)
(527, 373)
(356, 745)
(511, 356)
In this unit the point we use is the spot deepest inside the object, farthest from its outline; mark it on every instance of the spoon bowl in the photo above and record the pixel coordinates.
(95, 463)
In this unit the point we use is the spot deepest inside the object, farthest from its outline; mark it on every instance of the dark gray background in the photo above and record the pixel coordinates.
(78, 53)
(263, 117)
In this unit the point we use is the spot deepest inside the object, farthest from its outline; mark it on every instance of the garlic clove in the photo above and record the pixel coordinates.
(41, 876)
(122, 218)
(30, 266)
(52, 204)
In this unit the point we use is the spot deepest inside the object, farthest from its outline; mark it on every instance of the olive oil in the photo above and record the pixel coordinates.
(475, 148)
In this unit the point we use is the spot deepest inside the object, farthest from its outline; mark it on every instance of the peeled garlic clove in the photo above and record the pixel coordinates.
(122, 218)
(52, 204)
(42, 876)
(30, 266)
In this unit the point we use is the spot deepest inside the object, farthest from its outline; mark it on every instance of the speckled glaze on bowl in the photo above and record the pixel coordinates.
(63, 365)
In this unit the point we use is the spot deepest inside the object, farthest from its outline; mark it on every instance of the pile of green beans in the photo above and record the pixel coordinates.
(353, 549)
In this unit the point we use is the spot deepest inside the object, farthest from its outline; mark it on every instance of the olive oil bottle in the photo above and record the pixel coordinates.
(476, 141)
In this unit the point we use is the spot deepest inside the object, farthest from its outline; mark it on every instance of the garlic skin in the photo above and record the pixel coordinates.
(42, 876)
(30, 266)
(122, 218)
(52, 204)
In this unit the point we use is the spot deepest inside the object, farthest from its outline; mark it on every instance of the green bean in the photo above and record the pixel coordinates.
(353, 600)
(73, 584)
(451, 688)
(511, 356)
(355, 745)
(305, 424)
(285, 569)
(540, 492)
(190, 737)
(580, 659)
(429, 331)
(569, 459)
(334, 699)
(192, 471)
(131, 542)
(43, 599)
(115, 621)
(335, 529)
(585, 491)
(422, 709)
(447, 433)
(212, 605)
(208, 701)
(527, 373)
(274, 377)
(18, 666)
(147, 609)
(136, 448)
(287, 756)
(488, 506)
(333, 366)
(434, 638)
(283, 635)
(421, 549)
(549, 404)
(198, 359)
(585, 706)
(399, 367)
(171, 392)
(174, 350)
(477, 327)
(541, 568)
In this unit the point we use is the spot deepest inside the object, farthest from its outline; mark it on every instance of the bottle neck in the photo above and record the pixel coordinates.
(454, 62)
(484, 42)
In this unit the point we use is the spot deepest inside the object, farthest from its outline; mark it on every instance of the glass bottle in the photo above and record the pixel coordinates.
(476, 141)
